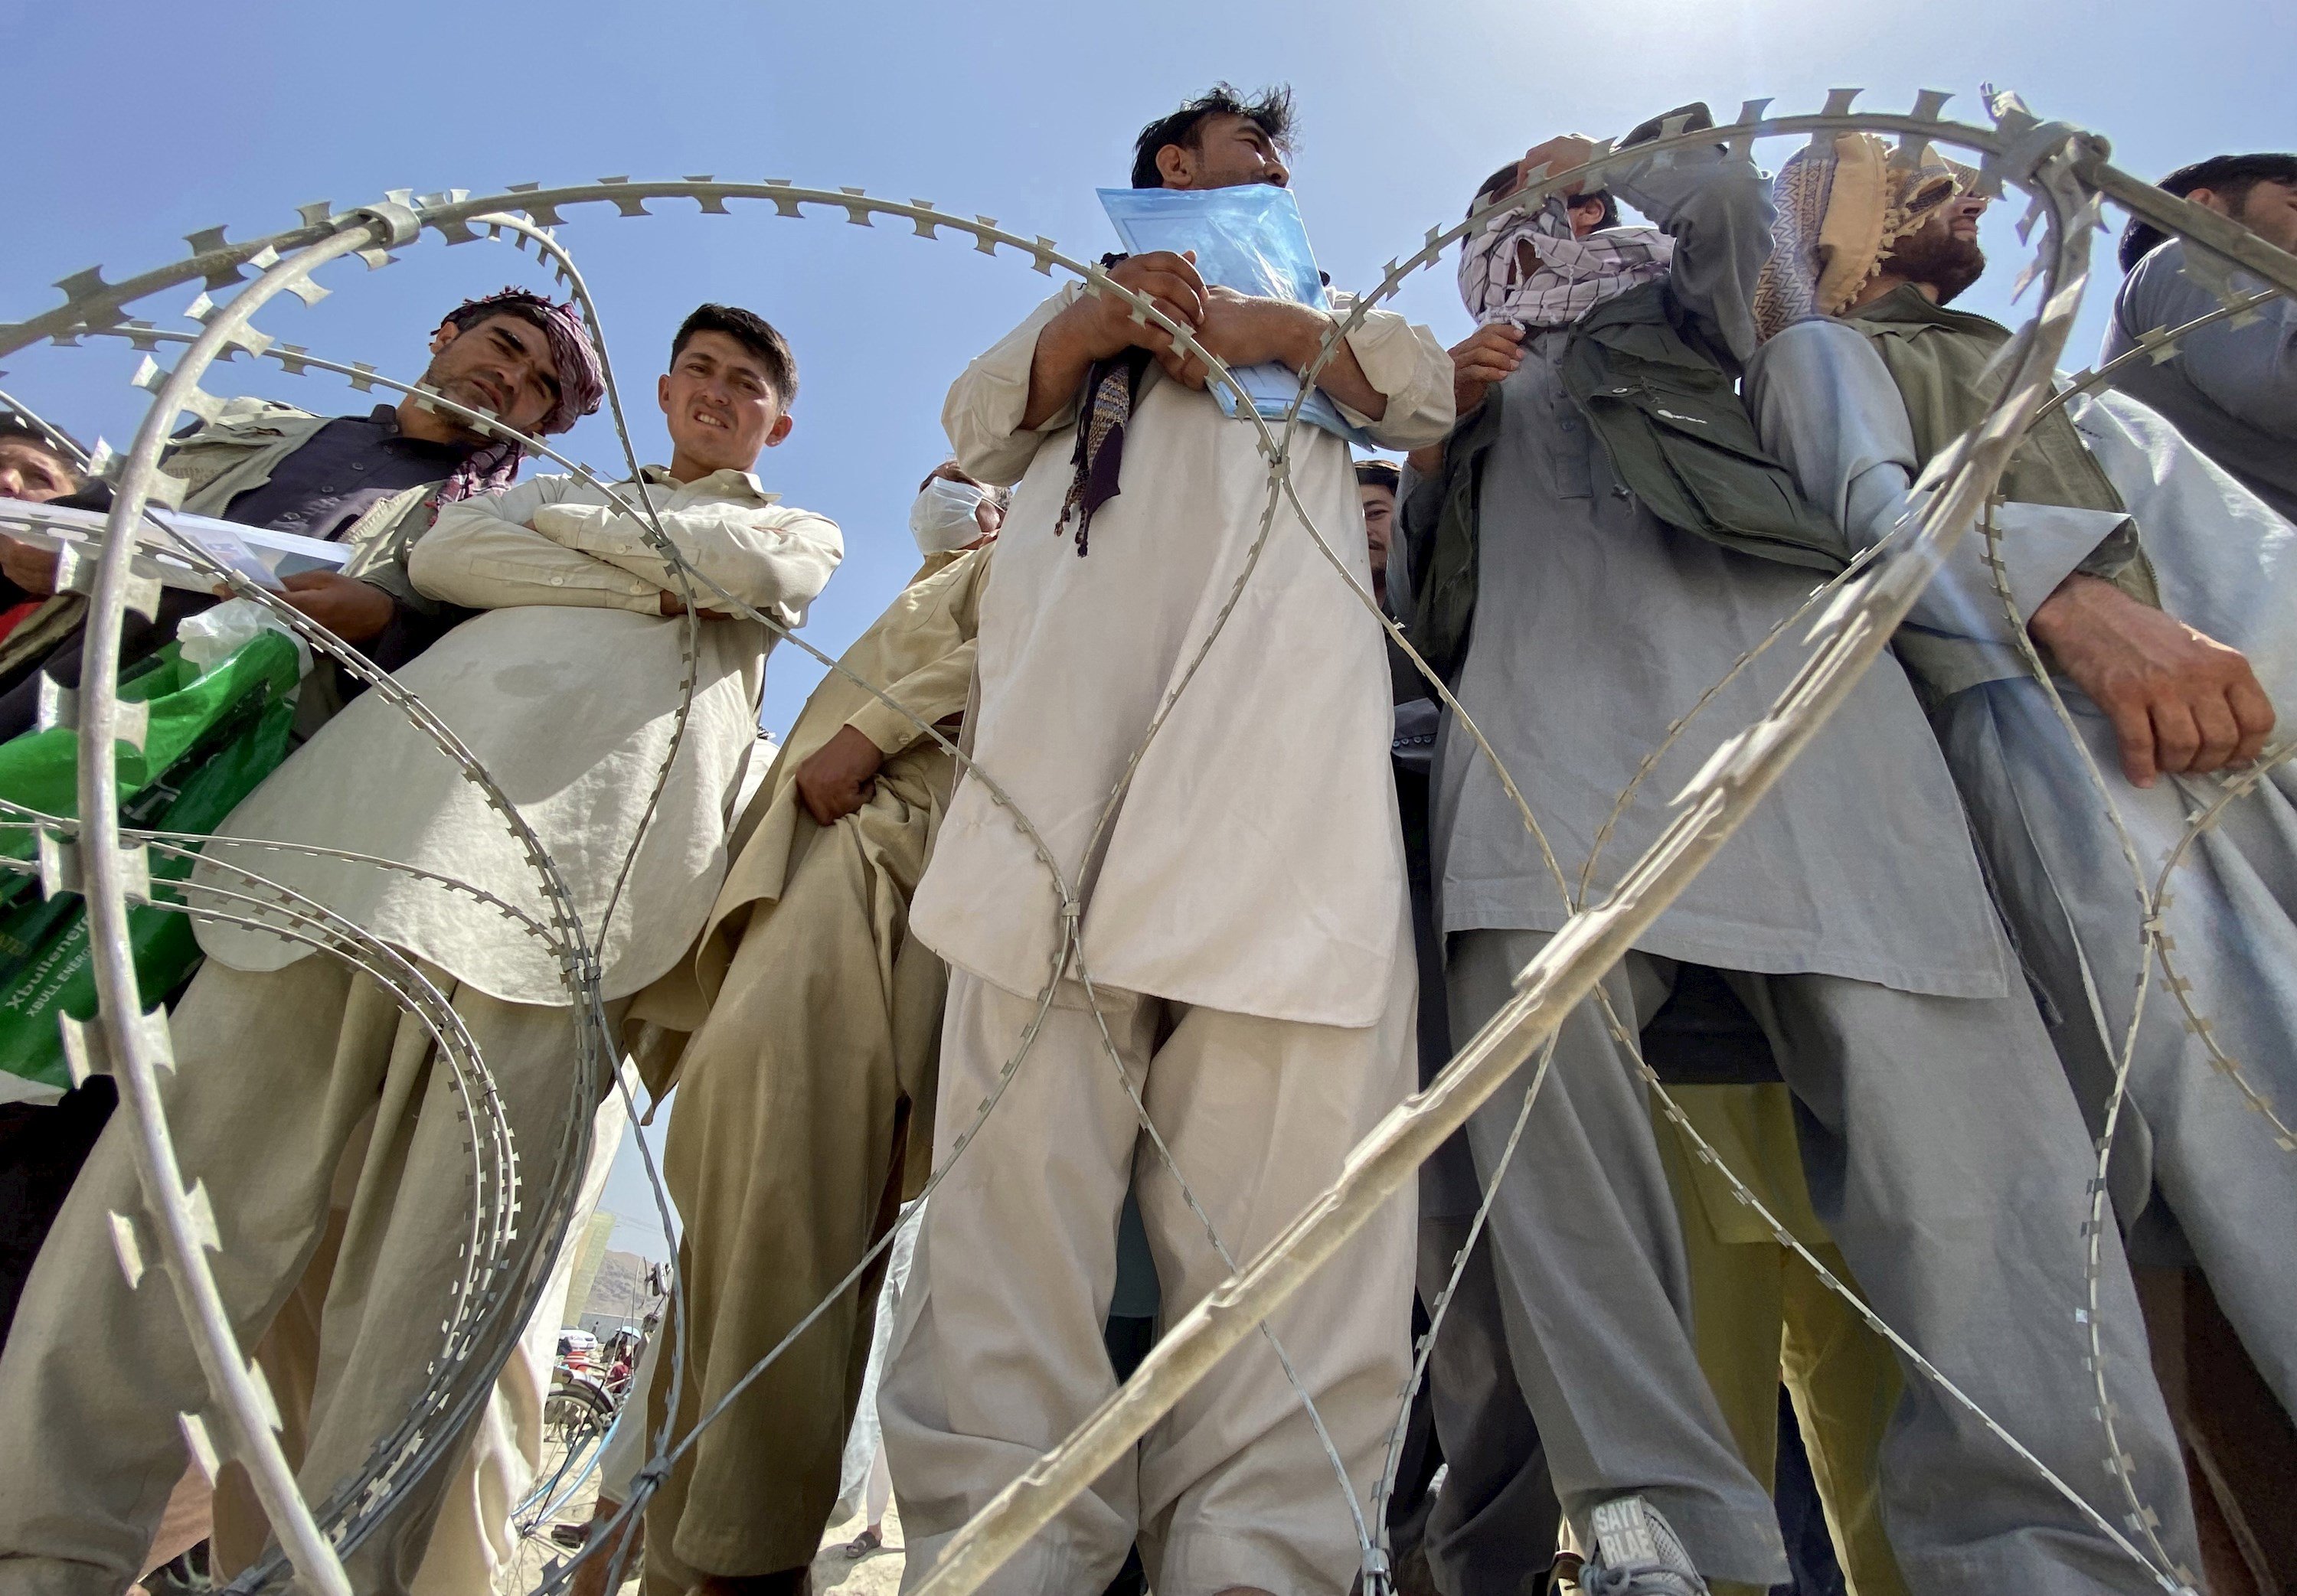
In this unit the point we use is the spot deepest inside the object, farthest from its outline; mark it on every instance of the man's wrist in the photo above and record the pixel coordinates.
(2068, 603)
(1073, 335)
(1301, 330)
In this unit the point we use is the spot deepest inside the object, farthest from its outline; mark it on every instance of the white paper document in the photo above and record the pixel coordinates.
(260, 555)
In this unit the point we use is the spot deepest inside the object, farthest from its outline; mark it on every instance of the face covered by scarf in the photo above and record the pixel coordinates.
(494, 464)
(1569, 278)
(1840, 206)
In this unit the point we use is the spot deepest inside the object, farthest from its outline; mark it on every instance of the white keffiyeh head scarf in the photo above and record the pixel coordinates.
(1567, 276)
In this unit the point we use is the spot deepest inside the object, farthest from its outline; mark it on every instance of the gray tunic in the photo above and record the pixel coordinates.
(2231, 391)
(2227, 566)
(1597, 626)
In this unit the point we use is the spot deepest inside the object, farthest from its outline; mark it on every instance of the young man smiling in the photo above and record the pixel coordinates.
(567, 689)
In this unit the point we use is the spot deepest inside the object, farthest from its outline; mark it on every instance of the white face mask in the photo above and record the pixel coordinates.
(942, 519)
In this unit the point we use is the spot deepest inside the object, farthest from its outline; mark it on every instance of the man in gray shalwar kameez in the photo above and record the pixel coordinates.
(2231, 388)
(1944, 1150)
(2165, 606)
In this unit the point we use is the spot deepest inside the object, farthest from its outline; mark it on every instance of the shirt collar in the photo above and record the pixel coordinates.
(1907, 306)
(386, 417)
(727, 483)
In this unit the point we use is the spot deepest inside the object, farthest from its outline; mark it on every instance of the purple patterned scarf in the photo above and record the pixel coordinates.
(1110, 387)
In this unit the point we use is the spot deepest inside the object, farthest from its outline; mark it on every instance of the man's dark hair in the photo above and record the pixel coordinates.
(1502, 180)
(2230, 176)
(1269, 110)
(12, 425)
(754, 333)
(1379, 473)
(526, 309)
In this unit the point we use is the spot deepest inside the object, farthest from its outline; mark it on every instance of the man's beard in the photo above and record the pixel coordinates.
(462, 390)
(1946, 263)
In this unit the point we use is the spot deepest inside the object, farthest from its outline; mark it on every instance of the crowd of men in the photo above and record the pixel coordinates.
(1895, 1007)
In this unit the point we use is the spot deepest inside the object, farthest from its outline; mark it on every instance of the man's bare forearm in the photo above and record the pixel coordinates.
(1343, 378)
(1063, 357)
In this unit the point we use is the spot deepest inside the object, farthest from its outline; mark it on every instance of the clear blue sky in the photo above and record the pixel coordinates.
(133, 124)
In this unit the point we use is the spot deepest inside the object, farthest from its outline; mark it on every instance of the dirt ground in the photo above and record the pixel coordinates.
(879, 1574)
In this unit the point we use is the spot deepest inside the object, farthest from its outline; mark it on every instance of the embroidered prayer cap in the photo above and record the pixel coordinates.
(1840, 206)
(494, 465)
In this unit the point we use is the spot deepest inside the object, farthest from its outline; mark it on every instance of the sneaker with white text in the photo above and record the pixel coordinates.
(1636, 1553)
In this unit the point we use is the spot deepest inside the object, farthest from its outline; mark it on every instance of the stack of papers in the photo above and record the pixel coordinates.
(262, 557)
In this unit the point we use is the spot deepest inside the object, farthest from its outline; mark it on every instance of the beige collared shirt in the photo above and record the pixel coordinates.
(567, 690)
(1254, 863)
(920, 652)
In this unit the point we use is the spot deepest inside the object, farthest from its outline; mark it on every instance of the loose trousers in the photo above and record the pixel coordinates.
(274, 1072)
(1491, 1531)
(1946, 1157)
(473, 1537)
(998, 1352)
(2232, 913)
(1761, 1316)
(786, 1158)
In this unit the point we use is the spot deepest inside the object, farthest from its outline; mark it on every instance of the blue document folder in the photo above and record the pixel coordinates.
(1250, 238)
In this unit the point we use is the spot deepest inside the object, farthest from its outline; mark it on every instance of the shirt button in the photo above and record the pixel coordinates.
(557, 581)
(330, 488)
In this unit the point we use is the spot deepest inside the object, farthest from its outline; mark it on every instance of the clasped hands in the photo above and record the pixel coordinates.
(1237, 328)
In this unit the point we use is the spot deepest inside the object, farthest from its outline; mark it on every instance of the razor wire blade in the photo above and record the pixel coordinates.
(2064, 170)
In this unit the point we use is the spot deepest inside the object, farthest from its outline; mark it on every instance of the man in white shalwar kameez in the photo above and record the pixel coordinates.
(1244, 926)
(566, 690)
(2165, 606)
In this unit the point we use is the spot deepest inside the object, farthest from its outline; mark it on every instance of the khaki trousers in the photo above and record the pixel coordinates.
(472, 1538)
(1760, 1314)
(784, 1158)
(273, 1075)
(997, 1351)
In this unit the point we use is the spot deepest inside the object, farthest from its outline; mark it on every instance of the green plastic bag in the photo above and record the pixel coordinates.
(41, 769)
(211, 740)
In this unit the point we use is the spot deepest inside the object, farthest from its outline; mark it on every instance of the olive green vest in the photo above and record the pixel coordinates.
(1678, 438)
(1940, 359)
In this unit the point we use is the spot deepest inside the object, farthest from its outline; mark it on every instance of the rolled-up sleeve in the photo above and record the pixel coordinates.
(480, 555)
(773, 559)
(984, 410)
(1406, 363)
